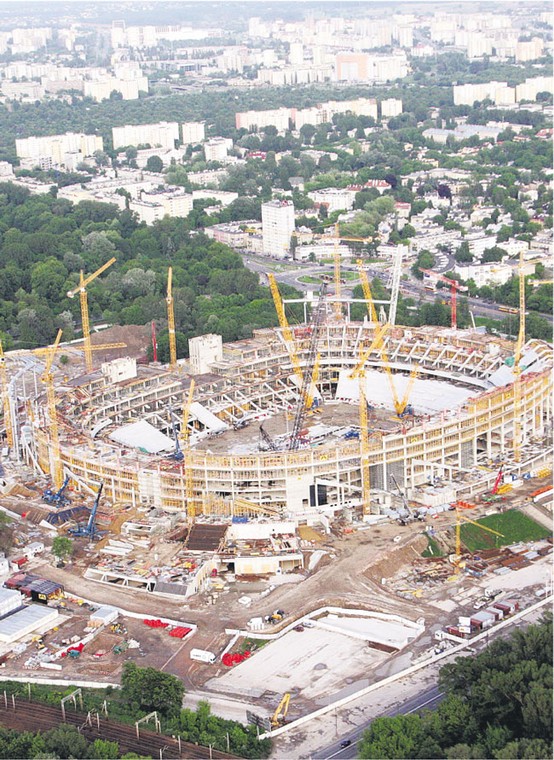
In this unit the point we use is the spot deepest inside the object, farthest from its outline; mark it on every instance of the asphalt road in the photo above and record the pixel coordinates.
(408, 288)
(429, 698)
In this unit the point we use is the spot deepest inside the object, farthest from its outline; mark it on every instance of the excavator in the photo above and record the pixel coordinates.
(279, 716)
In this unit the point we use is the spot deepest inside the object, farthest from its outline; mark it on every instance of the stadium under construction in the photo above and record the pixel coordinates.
(329, 416)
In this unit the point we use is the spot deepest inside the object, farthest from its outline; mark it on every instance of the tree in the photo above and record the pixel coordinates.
(62, 547)
(66, 741)
(6, 533)
(100, 749)
(425, 260)
(463, 255)
(493, 254)
(154, 164)
(148, 689)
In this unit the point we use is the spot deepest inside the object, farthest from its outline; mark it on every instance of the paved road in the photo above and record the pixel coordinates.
(429, 698)
(408, 288)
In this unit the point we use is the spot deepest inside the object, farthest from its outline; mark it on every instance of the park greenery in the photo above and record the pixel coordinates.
(143, 690)
(498, 705)
(45, 242)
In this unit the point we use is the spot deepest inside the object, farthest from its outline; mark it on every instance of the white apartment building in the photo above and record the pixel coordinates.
(485, 274)
(204, 350)
(254, 120)
(277, 228)
(391, 107)
(364, 67)
(58, 148)
(193, 132)
(163, 134)
(529, 89)
(154, 205)
(335, 199)
(216, 148)
(208, 177)
(530, 50)
(102, 89)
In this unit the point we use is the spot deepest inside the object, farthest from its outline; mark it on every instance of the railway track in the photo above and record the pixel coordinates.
(32, 716)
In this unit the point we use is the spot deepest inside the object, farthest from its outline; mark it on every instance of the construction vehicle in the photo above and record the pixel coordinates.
(409, 516)
(456, 558)
(89, 529)
(57, 498)
(279, 716)
(266, 441)
(498, 481)
(177, 454)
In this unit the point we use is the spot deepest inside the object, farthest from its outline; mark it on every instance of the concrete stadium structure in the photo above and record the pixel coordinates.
(469, 373)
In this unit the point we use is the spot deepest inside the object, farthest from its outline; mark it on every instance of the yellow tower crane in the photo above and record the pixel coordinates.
(82, 290)
(458, 550)
(171, 321)
(367, 292)
(399, 404)
(189, 482)
(285, 327)
(5, 398)
(47, 378)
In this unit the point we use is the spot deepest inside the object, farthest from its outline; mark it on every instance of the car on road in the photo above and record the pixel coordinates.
(345, 743)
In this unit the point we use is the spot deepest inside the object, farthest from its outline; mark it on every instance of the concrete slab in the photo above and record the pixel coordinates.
(313, 662)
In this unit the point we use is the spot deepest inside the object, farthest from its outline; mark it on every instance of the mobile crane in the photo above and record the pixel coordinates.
(89, 529)
(57, 498)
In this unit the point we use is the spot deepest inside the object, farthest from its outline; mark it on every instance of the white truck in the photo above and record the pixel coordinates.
(202, 655)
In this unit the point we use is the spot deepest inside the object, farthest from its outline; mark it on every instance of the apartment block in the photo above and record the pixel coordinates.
(277, 228)
(163, 134)
(193, 132)
(334, 199)
(59, 150)
(128, 88)
(391, 107)
(530, 50)
(154, 205)
(217, 148)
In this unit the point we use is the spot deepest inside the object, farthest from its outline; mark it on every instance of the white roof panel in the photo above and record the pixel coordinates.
(207, 418)
(143, 435)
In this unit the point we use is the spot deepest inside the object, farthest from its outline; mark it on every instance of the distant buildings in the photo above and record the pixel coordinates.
(499, 92)
(285, 118)
(154, 205)
(60, 151)
(277, 228)
(163, 134)
(364, 67)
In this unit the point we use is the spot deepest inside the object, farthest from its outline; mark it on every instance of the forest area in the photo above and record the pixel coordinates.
(45, 242)
(498, 705)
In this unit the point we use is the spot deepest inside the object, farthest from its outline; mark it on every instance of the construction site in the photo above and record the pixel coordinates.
(316, 476)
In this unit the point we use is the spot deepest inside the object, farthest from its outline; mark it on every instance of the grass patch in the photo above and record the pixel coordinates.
(514, 525)
(251, 645)
(311, 279)
(433, 549)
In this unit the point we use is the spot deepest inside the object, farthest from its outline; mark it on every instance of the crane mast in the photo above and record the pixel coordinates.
(171, 321)
(5, 398)
(305, 388)
(285, 327)
(517, 365)
(47, 378)
(454, 288)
